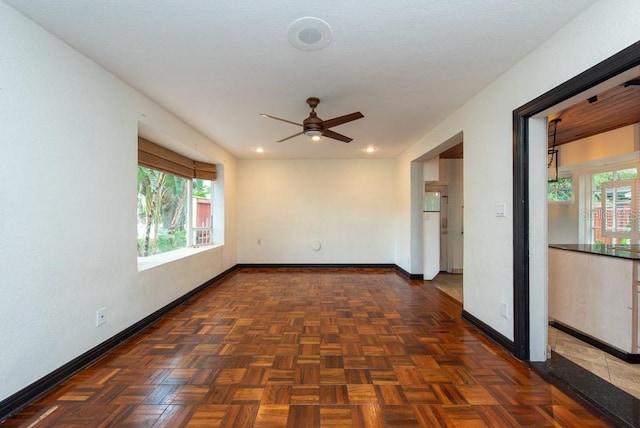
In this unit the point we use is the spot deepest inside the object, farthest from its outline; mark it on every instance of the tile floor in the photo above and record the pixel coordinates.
(615, 371)
(450, 284)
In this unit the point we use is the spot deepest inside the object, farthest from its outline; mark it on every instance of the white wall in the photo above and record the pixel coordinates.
(486, 121)
(345, 205)
(597, 147)
(68, 144)
(564, 221)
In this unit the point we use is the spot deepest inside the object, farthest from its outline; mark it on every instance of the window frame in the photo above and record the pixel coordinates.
(587, 225)
(158, 158)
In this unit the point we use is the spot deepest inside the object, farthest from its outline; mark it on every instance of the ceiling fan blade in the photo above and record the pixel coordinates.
(342, 119)
(277, 118)
(330, 134)
(294, 135)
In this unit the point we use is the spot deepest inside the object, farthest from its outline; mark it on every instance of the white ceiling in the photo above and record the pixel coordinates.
(217, 64)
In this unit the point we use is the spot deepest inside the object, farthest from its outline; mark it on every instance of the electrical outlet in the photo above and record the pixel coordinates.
(101, 316)
(504, 310)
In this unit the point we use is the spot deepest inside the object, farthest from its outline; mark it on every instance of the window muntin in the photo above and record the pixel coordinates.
(173, 212)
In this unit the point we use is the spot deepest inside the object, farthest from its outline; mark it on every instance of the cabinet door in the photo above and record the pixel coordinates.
(594, 295)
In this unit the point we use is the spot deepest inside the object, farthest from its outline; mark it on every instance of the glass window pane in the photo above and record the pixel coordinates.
(162, 212)
(560, 190)
(626, 174)
(202, 212)
(601, 177)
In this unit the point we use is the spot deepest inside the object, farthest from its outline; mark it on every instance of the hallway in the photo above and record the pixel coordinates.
(309, 347)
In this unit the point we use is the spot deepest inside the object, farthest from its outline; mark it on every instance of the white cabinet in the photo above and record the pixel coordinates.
(596, 295)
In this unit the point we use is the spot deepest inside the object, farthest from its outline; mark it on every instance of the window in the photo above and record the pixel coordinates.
(616, 204)
(560, 190)
(174, 201)
(614, 218)
(202, 218)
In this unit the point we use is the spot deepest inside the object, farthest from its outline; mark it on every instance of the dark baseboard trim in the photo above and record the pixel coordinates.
(20, 399)
(625, 356)
(331, 265)
(488, 331)
(314, 265)
(403, 272)
(611, 403)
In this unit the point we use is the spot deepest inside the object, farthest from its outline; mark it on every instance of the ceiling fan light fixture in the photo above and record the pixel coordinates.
(314, 134)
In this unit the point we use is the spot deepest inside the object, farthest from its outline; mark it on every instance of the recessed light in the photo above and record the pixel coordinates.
(370, 149)
(259, 150)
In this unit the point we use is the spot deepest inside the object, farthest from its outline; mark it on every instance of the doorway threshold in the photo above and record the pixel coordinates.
(614, 404)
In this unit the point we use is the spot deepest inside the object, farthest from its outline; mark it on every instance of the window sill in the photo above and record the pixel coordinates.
(145, 263)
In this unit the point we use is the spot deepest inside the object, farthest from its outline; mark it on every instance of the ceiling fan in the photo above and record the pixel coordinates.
(315, 127)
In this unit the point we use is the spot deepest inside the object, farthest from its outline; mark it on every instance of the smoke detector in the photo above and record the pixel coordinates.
(309, 34)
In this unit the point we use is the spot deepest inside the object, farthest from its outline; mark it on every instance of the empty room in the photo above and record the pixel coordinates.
(311, 214)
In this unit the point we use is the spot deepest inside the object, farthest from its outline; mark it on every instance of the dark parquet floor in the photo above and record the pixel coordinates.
(309, 348)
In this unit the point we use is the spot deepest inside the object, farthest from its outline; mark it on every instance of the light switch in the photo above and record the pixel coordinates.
(501, 210)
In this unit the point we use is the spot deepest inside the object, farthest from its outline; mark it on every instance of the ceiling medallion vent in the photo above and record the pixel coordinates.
(309, 34)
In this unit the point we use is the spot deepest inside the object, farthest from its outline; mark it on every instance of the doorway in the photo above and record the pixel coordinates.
(443, 190)
(436, 201)
(591, 199)
(529, 296)
(529, 227)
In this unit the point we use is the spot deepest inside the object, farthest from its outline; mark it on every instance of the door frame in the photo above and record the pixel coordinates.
(599, 73)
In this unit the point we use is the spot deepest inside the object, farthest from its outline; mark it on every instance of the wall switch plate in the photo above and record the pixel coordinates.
(101, 316)
(504, 310)
(501, 210)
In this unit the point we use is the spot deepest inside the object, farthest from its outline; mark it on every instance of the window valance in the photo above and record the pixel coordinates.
(157, 157)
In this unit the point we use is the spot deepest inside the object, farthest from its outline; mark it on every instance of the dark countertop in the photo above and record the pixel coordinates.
(631, 252)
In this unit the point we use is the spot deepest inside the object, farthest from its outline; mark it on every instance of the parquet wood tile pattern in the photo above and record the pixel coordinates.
(309, 348)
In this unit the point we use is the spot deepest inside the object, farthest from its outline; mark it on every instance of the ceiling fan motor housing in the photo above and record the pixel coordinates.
(313, 123)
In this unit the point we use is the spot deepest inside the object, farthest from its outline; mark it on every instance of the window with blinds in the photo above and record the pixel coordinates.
(174, 200)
